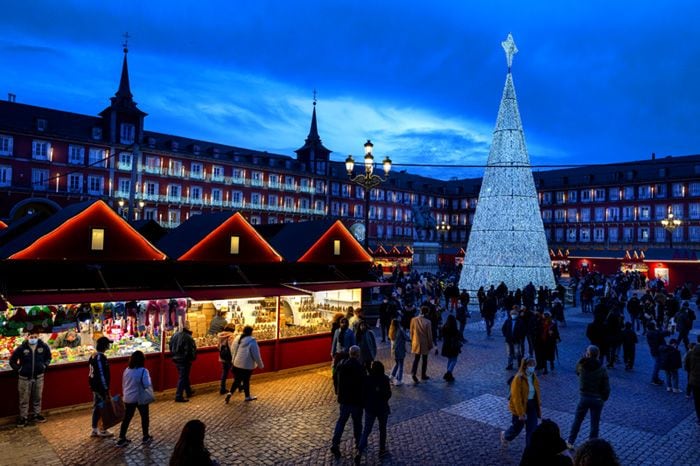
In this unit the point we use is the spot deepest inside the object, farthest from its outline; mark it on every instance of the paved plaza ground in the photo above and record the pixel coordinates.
(431, 423)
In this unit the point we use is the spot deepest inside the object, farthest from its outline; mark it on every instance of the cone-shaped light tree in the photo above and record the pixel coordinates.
(507, 241)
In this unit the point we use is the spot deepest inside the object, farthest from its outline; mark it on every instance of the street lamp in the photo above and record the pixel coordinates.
(443, 229)
(367, 180)
(670, 224)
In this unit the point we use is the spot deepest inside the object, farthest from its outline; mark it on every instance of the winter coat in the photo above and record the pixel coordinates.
(183, 347)
(595, 332)
(513, 333)
(376, 392)
(368, 346)
(98, 374)
(398, 345)
(421, 335)
(519, 390)
(28, 363)
(133, 382)
(656, 339)
(549, 337)
(593, 378)
(350, 376)
(629, 338)
(692, 365)
(217, 325)
(451, 343)
(348, 341)
(669, 358)
(225, 338)
(246, 353)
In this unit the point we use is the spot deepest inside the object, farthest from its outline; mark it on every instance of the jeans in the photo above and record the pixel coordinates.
(347, 411)
(489, 320)
(183, 378)
(397, 371)
(30, 388)
(385, 330)
(595, 405)
(226, 367)
(451, 363)
(129, 410)
(424, 365)
(369, 423)
(514, 353)
(98, 403)
(241, 378)
(672, 379)
(628, 355)
(530, 423)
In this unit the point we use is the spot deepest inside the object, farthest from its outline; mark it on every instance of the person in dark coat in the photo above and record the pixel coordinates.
(376, 392)
(350, 376)
(613, 335)
(629, 345)
(670, 362)
(656, 339)
(451, 346)
(594, 390)
(367, 343)
(488, 312)
(595, 332)
(546, 447)
(385, 317)
(546, 348)
(30, 361)
(513, 330)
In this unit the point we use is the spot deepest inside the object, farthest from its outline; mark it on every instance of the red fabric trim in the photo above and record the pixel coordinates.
(206, 294)
(76, 297)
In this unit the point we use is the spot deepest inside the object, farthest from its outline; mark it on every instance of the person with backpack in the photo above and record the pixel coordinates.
(246, 357)
(226, 338)
(99, 379)
(138, 395)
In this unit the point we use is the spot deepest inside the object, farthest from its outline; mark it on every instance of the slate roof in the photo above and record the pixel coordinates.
(292, 240)
(189, 233)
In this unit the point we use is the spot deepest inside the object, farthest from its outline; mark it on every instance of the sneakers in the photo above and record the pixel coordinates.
(504, 442)
(38, 418)
(251, 398)
(21, 422)
(122, 442)
(181, 400)
(228, 397)
(397, 383)
(657, 382)
(101, 433)
(415, 379)
(570, 446)
(147, 440)
(335, 449)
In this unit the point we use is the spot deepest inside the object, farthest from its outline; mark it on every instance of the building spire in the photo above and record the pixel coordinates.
(313, 147)
(124, 91)
(313, 131)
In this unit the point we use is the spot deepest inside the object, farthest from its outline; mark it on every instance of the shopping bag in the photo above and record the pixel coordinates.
(112, 412)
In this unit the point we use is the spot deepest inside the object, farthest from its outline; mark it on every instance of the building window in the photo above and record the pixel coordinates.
(40, 150)
(660, 191)
(255, 199)
(560, 215)
(289, 182)
(175, 168)
(643, 234)
(216, 196)
(335, 189)
(95, 185)
(255, 220)
(150, 213)
(125, 160)
(614, 194)
(546, 216)
(173, 218)
(41, 124)
(572, 215)
(572, 196)
(195, 194)
(273, 201)
(346, 190)
(5, 175)
(571, 235)
(320, 187)
(127, 133)
(628, 213)
(599, 214)
(75, 183)
(629, 193)
(677, 190)
(304, 203)
(152, 190)
(97, 239)
(599, 194)
(217, 173)
(660, 211)
(273, 181)
(288, 203)
(97, 157)
(561, 197)
(320, 208)
(694, 188)
(628, 234)
(174, 192)
(694, 211)
(335, 208)
(585, 235)
(613, 234)
(96, 133)
(559, 235)
(586, 195)
(237, 197)
(344, 209)
(40, 179)
(644, 212)
(273, 220)
(196, 170)
(586, 215)
(599, 235)
(694, 234)
(546, 198)
(644, 192)
(124, 187)
(234, 245)
(256, 178)
(76, 155)
(612, 214)
(677, 210)
(153, 165)
(5, 145)
(659, 234)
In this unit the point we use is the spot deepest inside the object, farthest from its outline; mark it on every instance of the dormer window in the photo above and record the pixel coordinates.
(97, 133)
(41, 124)
(195, 149)
(235, 245)
(127, 133)
(97, 239)
(151, 142)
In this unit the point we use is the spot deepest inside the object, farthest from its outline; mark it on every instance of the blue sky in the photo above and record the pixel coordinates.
(597, 81)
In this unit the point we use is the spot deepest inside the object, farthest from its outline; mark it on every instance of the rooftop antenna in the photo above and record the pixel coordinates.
(125, 44)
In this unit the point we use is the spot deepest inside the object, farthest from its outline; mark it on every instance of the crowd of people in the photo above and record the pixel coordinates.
(420, 312)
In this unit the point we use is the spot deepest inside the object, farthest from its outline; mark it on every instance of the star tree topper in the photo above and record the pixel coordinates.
(510, 49)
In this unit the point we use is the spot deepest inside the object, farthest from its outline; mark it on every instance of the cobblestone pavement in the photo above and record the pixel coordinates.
(431, 423)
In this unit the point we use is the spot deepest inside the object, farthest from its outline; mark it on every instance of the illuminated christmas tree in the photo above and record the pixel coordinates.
(507, 241)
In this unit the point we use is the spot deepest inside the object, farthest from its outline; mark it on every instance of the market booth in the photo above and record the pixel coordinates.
(675, 267)
(84, 272)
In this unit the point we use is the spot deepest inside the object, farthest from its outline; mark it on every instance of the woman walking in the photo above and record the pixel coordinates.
(375, 394)
(451, 346)
(397, 336)
(226, 338)
(138, 394)
(525, 402)
(246, 357)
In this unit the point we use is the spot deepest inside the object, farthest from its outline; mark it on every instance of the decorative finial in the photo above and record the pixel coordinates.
(510, 49)
(314, 97)
(125, 44)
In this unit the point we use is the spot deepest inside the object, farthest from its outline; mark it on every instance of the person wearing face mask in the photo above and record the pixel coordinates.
(513, 330)
(30, 360)
(594, 390)
(525, 402)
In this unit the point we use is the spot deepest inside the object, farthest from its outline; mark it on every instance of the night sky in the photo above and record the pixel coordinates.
(597, 81)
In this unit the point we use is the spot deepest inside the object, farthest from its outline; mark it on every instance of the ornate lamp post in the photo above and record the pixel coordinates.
(670, 223)
(443, 230)
(367, 180)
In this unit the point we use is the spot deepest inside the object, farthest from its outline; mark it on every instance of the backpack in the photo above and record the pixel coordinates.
(225, 353)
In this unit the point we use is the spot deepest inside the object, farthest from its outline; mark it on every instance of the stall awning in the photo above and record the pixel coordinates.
(214, 294)
(77, 297)
(329, 286)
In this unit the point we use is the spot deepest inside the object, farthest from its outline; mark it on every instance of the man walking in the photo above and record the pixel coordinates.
(184, 351)
(30, 360)
(421, 342)
(349, 376)
(594, 390)
(513, 330)
(656, 339)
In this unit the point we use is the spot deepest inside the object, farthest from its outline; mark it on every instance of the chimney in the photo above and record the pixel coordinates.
(11, 97)
(653, 156)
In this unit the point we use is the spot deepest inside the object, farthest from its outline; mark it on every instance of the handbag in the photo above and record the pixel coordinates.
(111, 412)
(146, 394)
